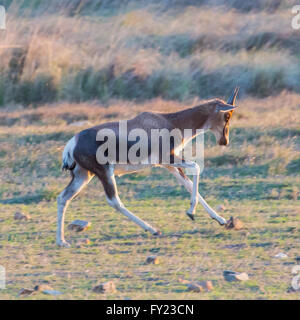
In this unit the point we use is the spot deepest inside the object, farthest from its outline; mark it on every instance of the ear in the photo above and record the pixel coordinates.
(224, 107)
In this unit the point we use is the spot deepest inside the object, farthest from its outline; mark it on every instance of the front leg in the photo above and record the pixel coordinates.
(188, 184)
(194, 186)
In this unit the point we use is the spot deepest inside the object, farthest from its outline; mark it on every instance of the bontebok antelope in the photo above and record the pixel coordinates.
(83, 158)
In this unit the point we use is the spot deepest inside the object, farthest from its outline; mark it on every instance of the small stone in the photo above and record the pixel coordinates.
(194, 287)
(221, 207)
(152, 260)
(106, 287)
(52, 292)
(82, 242)
(281, 255)
(79, 225)
(235, 276)
(234, 223)
(242, 276)
(198, 286)
(207, 285)
(21, 216)
(25, 292)
(42, 287)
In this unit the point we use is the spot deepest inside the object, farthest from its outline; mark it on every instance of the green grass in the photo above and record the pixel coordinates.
(265, 200)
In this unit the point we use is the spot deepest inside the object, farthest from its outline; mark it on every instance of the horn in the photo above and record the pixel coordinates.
(225, 107)
(233, 96)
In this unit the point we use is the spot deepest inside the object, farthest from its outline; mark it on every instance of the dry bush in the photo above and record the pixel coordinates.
(98, 50)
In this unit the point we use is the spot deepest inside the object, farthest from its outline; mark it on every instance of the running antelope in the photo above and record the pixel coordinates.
(80, 157)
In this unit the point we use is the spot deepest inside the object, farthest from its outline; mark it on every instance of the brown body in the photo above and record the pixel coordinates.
(80, 156)
(199, 117)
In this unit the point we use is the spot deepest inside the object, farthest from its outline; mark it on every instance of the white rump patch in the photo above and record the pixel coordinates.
(67, 157)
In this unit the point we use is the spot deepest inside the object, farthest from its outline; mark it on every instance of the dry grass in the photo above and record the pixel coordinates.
(141, 52)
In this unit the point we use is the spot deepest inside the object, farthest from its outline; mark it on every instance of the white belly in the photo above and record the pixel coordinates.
(121, 169)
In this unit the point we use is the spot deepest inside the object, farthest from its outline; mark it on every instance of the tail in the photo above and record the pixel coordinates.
(67, 158)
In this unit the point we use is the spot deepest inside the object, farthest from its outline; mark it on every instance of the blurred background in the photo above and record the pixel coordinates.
(79, 50)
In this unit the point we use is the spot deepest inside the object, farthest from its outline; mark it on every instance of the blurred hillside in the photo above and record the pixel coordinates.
(80, 50)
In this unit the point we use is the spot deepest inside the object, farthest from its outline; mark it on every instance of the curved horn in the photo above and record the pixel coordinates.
(233, 96)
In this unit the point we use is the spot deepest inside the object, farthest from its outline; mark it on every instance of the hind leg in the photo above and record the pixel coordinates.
(106, 176)
(80, 178)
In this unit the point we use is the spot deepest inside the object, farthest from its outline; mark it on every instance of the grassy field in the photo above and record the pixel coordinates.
(96, 61)
(256, 178)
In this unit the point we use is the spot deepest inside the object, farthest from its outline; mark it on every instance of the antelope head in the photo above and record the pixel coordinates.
(223, 113)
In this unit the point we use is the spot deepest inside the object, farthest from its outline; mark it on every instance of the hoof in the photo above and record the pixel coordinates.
(157, 233)
(63, 244)
(191, 216)
(222, 224)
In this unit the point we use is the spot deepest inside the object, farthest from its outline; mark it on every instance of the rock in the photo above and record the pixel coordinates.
(42, 287)
(25, 292)
(291, 289)
(79, 225)
(52, 292)
(220, 207)
(203, 284)
(22, 216)
(195, 287)
(152, 259)
(234, 223)
(236, 246)
(83, 242)
(235, 276)
(281, 255)
(106, 287)
(242, 276)
(207, 285)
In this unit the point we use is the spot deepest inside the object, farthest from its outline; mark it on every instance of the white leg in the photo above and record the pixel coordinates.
(110, 187)
(80, 178)
(116, 203)
(194, 185)
(187, 183)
